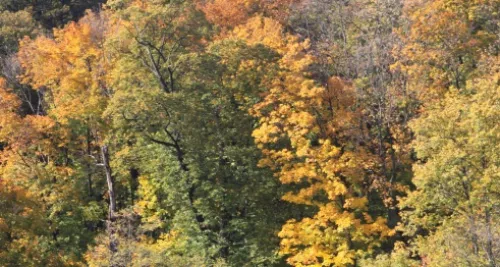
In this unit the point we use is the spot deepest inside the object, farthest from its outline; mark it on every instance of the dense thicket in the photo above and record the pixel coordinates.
(250, 133)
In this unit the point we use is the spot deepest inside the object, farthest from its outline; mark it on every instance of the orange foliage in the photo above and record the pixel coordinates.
(231, 13)
(227, 13)
(440, 47)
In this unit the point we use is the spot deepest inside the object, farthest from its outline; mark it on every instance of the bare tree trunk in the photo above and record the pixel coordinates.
(489, 240)
(113, 242)
(89, 166)
(109, 179)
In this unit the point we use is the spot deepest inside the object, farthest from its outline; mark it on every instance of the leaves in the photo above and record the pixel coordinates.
(249, 133)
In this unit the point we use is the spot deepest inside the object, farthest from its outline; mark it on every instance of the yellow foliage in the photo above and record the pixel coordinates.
(74, 69)
(440, 48)
(291, 111)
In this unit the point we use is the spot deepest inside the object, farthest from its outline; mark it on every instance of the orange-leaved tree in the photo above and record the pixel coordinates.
(443, 42)
(231, 13)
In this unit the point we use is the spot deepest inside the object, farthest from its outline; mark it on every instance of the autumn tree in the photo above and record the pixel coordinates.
(182, 116)
(308, 147)
(69, 138)
(355, 40)
(228, 14)
(456, 201)
(249, 133)
(443, 42)
(448, 54)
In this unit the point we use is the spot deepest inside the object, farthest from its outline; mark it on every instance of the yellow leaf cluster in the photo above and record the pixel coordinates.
(73, 71)
(290, 113)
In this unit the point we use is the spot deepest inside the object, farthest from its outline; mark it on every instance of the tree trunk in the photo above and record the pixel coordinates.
(109, 179)
(89, 166)
(489, 240)
(113, 242)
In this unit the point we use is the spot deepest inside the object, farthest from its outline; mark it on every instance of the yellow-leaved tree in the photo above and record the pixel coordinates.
(72, 145)
(305, 133)
(443, 42)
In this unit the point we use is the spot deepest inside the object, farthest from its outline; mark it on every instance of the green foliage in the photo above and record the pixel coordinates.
(249, 133)
(188, 110)
(51, 13)
(399, 257)
(456, 199)
(13, 27)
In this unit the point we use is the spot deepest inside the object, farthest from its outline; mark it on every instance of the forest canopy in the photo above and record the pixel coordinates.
(250, 133)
